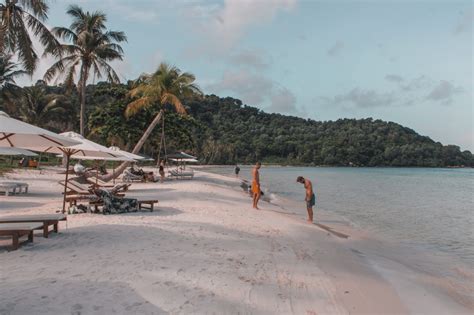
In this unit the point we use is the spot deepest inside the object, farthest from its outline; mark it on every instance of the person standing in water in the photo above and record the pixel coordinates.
(310, 198)
(237, 170)
(256, 185)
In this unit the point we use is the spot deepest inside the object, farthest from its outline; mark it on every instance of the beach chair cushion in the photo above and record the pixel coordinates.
(113, 204)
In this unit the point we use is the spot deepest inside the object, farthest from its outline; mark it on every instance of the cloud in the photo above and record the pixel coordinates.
(252, 88)
(257, 90)
(283, 101)
(224, 25)
(465, 23)
(335, 49)
(393, 78)
(444, 92)
(252, 59)
(419, 83)
(363, 98)
(406, 93)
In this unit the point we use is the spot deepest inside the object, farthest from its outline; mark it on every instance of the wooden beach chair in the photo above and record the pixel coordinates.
(130, 177)
(147, 204)
(175, 174)
(47, 220)
(8, 189)
(18, 230)
(98, 183)
(21, 187)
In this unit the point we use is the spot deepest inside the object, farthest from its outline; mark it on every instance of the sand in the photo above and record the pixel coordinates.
(205, 250)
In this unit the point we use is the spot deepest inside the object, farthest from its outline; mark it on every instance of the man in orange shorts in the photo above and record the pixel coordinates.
(256, 184)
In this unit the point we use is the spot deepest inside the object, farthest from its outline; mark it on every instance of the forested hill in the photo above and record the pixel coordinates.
(224, 131)
(242, 133)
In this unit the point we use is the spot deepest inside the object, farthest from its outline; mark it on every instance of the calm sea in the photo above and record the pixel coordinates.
(430, 209)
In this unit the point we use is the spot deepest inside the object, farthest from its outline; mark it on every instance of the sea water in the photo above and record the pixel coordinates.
(425, 208)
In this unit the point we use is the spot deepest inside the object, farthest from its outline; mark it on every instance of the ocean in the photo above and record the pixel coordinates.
(425, 209)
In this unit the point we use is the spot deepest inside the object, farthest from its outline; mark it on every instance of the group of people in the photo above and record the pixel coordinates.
(310, 197)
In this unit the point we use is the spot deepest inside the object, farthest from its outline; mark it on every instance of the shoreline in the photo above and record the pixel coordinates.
(204, 250)
(388, 262)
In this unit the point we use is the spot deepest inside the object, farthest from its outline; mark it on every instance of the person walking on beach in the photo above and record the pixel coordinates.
(237, 170)
(162, 171)
(310, 198)
(256, 185)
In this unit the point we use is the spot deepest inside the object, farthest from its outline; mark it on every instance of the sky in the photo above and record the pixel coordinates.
(404, 61)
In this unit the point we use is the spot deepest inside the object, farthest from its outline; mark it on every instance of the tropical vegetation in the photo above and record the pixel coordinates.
(91, 47)
(20, 19)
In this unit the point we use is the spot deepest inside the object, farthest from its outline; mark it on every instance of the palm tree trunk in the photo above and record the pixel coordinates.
(82, 92)
(119, 170)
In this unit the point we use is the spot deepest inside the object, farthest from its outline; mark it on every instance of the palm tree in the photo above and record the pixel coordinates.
(91, 47)
(18, 18)
(41, 109)
(8, 74)
(164, 87)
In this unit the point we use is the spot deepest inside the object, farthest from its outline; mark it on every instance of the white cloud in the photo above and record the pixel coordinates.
(224, 25)
(257, 90)
(252, 88)
(283, 101)
(363, 98)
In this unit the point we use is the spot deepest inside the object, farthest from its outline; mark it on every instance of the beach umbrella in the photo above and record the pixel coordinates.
(16, 151)
(81, 150)
(131, 156)
(18, 134)
(180, 156)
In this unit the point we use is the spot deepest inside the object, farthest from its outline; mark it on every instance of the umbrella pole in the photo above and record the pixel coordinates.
(96, 173)
(113, 172)
(65, 183)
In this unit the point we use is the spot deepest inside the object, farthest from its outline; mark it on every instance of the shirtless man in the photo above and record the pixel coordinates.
(310, 198)
(256, 184)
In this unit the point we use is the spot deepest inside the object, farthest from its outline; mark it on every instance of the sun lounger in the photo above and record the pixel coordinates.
(8, 189)
(17, 230)
(181, 175)
(147, 204)
(130, 177)
(97, 182)
(20, 186)
(47, 220)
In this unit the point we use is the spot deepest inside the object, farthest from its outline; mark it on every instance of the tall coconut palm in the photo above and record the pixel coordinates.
(164, 87)
(18, 18)
(40, 108)
(91, 47)
(8, 87)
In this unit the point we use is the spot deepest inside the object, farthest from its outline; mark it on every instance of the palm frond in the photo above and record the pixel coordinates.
(137, 105)
(172, 99)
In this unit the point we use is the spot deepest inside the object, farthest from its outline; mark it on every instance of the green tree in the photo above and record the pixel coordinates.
(18, 19)
(8, 74)
(40, 108)
(164, 87)
(91, 47)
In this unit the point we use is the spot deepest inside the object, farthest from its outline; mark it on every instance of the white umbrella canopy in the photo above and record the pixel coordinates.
(83, 148)
(131, 156)
(18, 134)
(16, 151)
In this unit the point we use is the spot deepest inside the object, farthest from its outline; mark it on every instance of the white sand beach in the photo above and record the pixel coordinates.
(204, 250)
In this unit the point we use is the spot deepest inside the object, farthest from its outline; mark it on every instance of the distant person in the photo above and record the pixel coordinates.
(237, 170)
(310, 198)
(162, 171)
(79, 168)
(256, 185)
